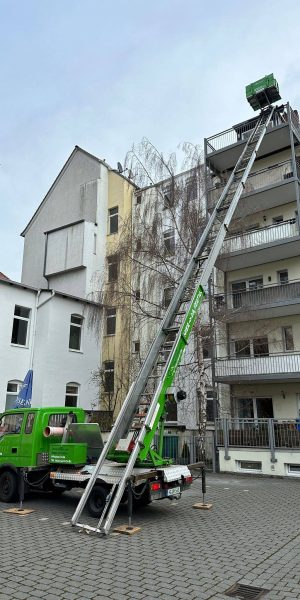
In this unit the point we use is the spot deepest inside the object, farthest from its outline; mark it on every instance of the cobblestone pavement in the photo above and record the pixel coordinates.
(250, 536)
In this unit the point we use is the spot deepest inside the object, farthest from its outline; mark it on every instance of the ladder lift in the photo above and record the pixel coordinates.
(142, 414)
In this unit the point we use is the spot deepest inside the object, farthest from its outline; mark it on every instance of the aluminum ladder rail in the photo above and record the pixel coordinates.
(226, 204)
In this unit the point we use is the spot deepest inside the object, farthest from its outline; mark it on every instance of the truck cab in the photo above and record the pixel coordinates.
(27, 438)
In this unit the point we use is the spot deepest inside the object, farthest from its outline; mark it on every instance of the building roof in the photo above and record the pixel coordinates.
(11, 283)
(2, 276)
(65, 166)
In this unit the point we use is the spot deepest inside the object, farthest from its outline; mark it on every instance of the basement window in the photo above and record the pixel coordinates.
(249, 465)
(293, 470)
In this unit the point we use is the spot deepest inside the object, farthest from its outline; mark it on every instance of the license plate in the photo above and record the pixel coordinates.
(174, 491)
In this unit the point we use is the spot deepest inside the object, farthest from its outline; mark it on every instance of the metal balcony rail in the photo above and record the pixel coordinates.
(258, 433)
(261, 296)
(241, 132)
(279, 363)
(260, 179)
(263, 235)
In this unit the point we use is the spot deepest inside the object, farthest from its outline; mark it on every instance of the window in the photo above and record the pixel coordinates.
(283, 276)
(240, 287)
(139, 199)
(249, 465)
(111, 317)
(261, 346)
(254, 408)
(59, 420)
(20, 325)
(210, 405)
(113, 269)
(168, 295)
(95, 244)
(138, 244)
(168, 197)
(75, 332)
(277, 220)
(12, 390)
(109, 373)
(242, 348)
(137, 295)
(288, 340)
(169, 241)
(72, 392)
(113, 220)
(191, 189)
(11, 423)
(171, 409)
(29, 423)
(206, 341)
(136, 346)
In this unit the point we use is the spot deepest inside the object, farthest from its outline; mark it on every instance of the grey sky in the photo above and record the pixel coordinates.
(103, 75)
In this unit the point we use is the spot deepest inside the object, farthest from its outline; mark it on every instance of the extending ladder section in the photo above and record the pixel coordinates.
(144, 407)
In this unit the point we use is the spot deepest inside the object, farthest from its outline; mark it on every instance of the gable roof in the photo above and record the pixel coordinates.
(65, 166)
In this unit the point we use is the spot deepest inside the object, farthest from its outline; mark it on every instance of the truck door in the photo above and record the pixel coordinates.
(27, 445)
(10, 438)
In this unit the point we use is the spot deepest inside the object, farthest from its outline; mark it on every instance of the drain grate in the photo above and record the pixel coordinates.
(245, 592)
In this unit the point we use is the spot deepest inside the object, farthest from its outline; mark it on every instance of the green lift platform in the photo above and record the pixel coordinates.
(263, 92)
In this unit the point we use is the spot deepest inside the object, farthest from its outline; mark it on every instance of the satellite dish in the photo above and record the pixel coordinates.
(120, 168)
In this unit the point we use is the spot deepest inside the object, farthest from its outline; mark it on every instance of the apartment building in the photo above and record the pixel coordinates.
(71, 246)
(45, 331)
(256, 304)
(167, 219)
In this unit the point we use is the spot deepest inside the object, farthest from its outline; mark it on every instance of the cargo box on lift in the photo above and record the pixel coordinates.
(263, 92)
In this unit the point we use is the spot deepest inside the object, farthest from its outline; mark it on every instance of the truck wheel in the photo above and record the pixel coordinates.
(8, 486)
(96, 501)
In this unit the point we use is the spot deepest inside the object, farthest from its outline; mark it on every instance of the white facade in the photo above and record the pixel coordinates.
(44, 347)
(65, 241)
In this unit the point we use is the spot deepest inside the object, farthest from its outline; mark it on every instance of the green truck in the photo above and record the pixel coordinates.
(55, 449)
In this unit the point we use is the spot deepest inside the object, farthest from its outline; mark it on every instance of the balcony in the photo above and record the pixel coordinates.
(224, 149)
(259, 246)
(265, 369)
(264, 189)
(258, 433)
(281, 299)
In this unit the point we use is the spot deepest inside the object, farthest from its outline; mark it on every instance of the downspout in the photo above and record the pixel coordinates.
(37, 306)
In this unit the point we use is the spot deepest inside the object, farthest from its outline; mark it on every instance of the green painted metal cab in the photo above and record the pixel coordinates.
(22, 440)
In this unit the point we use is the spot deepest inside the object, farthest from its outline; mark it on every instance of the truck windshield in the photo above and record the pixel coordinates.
(11, 423)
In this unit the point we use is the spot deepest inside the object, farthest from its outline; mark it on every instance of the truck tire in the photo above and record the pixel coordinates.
(97, 500)
(8, 486)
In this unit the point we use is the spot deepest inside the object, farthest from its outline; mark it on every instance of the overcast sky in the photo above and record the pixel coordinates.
(104, 74)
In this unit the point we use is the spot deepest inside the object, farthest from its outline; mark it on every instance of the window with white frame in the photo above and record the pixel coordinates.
(210, 410)
(19, 335)
(283, 276)
(12, 390)
(72, 394)
(113, 220)
(169, 241)
(168, 196)
(75, 332)
(111, 318)
(288, 340)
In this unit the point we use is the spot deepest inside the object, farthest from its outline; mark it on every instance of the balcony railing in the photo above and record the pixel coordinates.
(258, 433)
(258, 180)
(262, 296)
(274, 364)
(241, 132)
(258, 237)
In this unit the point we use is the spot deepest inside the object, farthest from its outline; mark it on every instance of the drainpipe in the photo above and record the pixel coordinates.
(37, 306)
